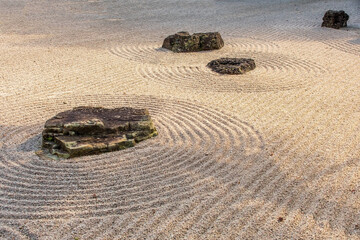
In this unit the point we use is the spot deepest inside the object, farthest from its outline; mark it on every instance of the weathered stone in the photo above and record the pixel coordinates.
(91, 130)
(184, 42)
(232, 65)
(335, 19)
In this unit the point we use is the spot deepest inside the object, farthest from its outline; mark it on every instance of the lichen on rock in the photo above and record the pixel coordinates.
(93, 130)
(184, 42)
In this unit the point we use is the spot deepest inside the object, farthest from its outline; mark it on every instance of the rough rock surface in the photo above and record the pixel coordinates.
(232, 65)
(93, 130)
(335, 19)
(184, 42)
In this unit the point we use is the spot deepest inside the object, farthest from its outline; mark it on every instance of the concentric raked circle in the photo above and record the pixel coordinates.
(153, 53)
(349, 45)
(299, 29)
(198, 151)
(346, 40)
(273, 72)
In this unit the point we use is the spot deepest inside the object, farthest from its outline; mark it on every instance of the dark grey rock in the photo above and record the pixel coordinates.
(232, 65)
(335, 19)
(184, 42)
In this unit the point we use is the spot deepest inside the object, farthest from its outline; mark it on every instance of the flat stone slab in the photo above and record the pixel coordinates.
(335, 19)
(93, 130)
(184, 42)
(232, 65)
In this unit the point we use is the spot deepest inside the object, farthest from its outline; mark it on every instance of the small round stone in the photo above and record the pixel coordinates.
(232, 65)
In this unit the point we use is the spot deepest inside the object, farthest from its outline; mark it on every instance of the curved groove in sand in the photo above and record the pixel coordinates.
(127, 180)
(350, 45)
(273, 72)
(154, 54)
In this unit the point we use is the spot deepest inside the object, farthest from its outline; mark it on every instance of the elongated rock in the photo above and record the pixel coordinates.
(93, 130)
(184, 42)
(232, 65)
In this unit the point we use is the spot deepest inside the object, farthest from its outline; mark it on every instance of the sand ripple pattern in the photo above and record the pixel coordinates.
(273, 72)
(349, 45)
(198, 151)
(153, 53)
(346, 40)
(12, 231)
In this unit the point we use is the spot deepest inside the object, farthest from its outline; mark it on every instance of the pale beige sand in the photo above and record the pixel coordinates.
(234, 153)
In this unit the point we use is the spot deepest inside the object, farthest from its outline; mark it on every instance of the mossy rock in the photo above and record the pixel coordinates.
(94, 130)
(184, 42)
